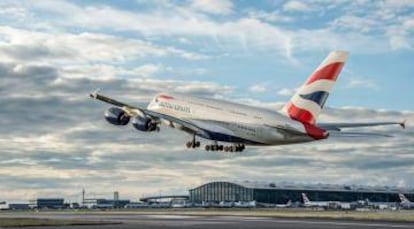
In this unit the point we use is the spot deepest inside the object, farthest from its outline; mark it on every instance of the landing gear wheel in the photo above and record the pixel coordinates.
(193, 143)
(221, 147)
(207, 147)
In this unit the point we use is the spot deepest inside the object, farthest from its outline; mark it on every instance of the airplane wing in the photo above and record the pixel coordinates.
(143, 112)
(340, 126)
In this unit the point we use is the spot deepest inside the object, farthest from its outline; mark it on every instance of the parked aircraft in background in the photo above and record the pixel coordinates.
(381, 205)
(237, 124)
(287, 205)
(3, 205)
(315, 204)
(325, 204)
(245, 204)
(405, 203)
(269, 205)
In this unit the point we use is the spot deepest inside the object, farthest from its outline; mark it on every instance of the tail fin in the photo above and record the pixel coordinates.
(403, 198)
(305, 198)
(309, 100)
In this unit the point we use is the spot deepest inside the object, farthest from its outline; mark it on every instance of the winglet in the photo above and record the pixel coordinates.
(402, 124)
(94, 94)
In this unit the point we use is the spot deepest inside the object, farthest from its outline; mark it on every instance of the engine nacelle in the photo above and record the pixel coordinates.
(144, 124)
(116, 116)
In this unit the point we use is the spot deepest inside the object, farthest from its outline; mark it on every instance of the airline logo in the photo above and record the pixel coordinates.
(166, 102)
(308, 102)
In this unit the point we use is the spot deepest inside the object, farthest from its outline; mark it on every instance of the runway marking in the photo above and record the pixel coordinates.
(227, 219)
(170, 216)
(336, 223)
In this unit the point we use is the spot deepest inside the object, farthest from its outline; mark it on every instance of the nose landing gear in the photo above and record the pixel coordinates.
(193, 143)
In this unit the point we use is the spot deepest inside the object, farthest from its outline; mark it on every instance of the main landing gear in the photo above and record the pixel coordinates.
(193, 143)
(215, 147)
(232, 148)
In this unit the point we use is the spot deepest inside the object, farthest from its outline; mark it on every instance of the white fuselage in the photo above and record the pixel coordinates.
(314, 204)
(245, 123)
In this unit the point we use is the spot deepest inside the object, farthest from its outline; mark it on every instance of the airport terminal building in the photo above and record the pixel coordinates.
(272, 193)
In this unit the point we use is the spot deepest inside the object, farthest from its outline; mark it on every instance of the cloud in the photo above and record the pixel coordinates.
(362, 83)
(171, 21)
(352, 22)
(398, 3)
(387, 20)
(147, 70)
(213, 6)
(274, 16)
(234, 34)
(286, 92)
(294, 5)
(258, 88)
(29, 46)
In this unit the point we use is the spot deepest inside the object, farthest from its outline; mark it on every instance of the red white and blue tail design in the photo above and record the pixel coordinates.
(309, 100)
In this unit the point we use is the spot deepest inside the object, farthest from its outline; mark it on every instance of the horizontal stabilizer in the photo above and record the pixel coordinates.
(339, 126)
(357, 134)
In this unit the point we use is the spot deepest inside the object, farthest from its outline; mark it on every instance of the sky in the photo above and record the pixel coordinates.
(54, 140)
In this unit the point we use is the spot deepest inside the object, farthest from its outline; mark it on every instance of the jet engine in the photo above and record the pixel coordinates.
(116, 116)
(144, 124)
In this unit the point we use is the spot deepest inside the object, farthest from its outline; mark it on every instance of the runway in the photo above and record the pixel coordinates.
(207, 222)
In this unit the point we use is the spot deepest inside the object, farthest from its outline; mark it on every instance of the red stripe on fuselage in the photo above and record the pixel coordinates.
(165, 97)
(300, 114)
(328, 72)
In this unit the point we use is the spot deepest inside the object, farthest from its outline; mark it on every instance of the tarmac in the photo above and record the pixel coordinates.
(129, 221)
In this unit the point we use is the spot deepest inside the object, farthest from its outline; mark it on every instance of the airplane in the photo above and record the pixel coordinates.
(381, 205)
(287, 205)
(314, 204)
(326, 204)
(269, 205)
(240, 124)
(405, 202)
(245, 204)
